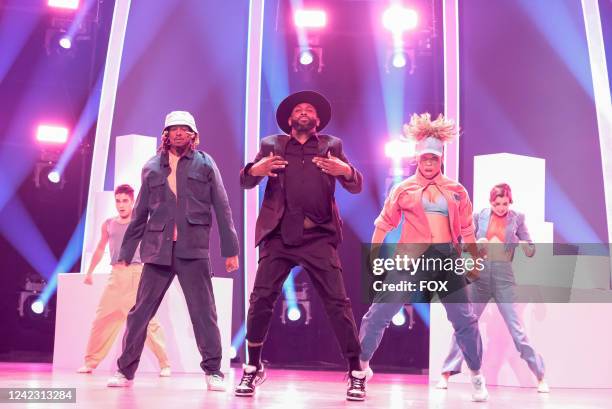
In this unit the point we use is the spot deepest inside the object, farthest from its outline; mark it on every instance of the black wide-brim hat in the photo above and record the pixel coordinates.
(318, 101)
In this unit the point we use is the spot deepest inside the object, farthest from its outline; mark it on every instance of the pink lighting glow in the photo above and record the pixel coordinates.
(64, 4)
(310, 18)
(398, 19)
(399, 149)
(52, 134)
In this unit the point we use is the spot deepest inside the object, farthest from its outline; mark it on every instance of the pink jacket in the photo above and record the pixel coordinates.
(405, 198)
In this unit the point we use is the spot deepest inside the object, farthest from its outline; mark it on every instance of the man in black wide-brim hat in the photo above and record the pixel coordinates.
(299, 224)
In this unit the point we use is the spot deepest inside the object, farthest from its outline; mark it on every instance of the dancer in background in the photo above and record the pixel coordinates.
(119, 294)
(437, 214)
(504, 230)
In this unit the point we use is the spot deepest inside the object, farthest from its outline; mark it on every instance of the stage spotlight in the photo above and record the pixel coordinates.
(306, 57)
(57, 42)
(233, 353)
(47, 177)
(30, 306)
(54, 176)
(64, 4)
(294, 314)
(399, 19)
(399, 149)
(52, 134)
(310, 18)
(65, 42)
(297, 315)
(399, 59)
(34, 309)
(399, 319)
(37, 307)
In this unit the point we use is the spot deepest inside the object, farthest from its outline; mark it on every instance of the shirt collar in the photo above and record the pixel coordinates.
(314, 135)
(165, 156)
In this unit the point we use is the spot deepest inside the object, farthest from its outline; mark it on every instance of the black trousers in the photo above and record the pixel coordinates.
(195, 280)
(318, 256)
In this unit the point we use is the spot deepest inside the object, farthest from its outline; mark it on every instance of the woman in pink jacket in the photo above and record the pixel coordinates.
(437, 222)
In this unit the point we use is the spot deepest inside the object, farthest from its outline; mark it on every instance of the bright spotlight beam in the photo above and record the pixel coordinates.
(399, 19)
(294, 314)
(310, 18)
(65, 42)
(399, 319)
(306, 57)
(52, 134)
(64, 4)
(54, 176)
(37, 307)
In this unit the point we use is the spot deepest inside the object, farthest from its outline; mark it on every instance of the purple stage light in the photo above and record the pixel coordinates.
(65, 42)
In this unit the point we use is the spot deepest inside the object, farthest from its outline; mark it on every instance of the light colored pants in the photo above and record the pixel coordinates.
(458, 312)
(497, 281)
(117, 300)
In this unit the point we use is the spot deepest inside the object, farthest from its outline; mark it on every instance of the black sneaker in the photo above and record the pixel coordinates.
(356, 386)
(251, 378)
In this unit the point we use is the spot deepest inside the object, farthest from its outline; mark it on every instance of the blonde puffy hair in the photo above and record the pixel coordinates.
(421, 126)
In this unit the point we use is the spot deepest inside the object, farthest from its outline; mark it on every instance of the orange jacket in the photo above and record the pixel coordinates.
(405, 198)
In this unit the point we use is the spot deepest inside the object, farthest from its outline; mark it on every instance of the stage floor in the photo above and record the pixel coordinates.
(284, 389)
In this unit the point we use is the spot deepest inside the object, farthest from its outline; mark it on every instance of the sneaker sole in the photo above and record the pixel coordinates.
(244, 394)
(118, 386)
(354, 398)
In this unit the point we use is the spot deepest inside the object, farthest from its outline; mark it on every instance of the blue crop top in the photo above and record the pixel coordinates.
(439, 206)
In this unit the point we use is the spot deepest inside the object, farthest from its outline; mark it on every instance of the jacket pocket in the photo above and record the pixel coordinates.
(157, 189)
(200, 218)
(199, 185)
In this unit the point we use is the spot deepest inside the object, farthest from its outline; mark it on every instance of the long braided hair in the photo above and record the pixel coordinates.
(165, 141)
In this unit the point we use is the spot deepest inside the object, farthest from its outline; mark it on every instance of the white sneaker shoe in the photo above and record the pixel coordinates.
(165, 372)
(356, 386)
(442, 383)
(369, 373)
(118, 380)
(480, 393)
(543, 387)
(85, 369)
(215, 383)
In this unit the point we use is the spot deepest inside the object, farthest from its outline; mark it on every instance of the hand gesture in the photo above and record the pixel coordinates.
(267, 164)
(88, 279)
(333, 166)
(231, 264)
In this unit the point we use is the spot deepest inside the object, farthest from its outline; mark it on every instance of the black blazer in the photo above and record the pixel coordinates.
(273, 205)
